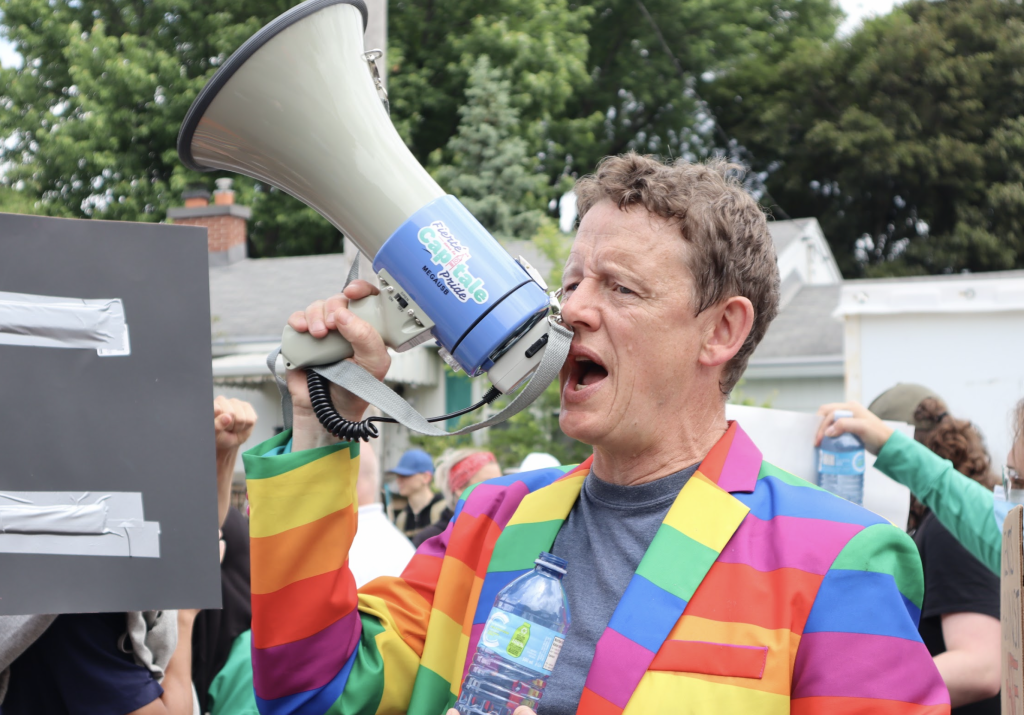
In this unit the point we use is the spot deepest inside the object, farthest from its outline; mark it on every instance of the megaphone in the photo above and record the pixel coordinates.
(298, 107)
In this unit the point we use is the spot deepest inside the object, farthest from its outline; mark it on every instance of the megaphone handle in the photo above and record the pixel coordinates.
(303, 350)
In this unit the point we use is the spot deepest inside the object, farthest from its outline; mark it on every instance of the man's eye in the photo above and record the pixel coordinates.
(570, 287)
(623, 289)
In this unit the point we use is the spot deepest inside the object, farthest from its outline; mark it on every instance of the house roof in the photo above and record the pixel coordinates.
(250, 300)
(785, 232)
(995, 291)
(804, 328)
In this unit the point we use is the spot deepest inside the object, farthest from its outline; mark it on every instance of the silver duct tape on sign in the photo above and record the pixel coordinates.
(56, 322)
(77, 524)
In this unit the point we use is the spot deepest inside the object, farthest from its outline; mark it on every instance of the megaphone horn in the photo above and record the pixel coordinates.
(297, 108)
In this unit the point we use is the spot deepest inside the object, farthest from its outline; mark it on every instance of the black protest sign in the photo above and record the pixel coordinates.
(107, 476)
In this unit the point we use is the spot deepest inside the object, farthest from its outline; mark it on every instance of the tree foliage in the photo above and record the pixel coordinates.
(91, 118)
(906, 139)
(16, 202)
(540, 45)
(650, 61)
(489, 168)
(589, 78)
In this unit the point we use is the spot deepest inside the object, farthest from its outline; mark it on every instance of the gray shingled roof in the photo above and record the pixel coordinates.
(805, 326)
(250, 300)
(785, 232)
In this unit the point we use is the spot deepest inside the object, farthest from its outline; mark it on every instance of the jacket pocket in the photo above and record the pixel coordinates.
(737, 661)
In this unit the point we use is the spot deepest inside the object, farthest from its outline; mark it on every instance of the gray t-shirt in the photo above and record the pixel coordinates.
(604, 538)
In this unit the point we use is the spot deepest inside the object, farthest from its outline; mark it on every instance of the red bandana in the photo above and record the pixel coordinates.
(463, 470)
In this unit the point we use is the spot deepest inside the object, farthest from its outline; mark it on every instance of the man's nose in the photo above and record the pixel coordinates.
(579, 309)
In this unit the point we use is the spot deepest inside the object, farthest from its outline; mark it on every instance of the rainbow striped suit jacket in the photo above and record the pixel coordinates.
(759, 594)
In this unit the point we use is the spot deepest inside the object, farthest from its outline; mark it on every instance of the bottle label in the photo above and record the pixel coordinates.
(518, 640)
(840, 462)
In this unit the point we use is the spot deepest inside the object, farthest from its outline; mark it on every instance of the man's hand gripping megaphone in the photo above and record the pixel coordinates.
(369, 352)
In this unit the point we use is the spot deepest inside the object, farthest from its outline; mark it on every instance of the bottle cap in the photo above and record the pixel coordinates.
(555, 563)
(840, 414)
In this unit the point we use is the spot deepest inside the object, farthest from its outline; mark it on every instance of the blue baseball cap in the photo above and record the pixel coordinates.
(413, 462)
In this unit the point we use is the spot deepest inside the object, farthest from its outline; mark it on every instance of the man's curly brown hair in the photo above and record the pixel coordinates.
(730, 250)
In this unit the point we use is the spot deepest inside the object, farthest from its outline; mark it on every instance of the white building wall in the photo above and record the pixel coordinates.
(798, 394)
(975, 361)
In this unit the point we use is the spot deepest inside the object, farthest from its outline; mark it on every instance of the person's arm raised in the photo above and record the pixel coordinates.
(233, 421)
(872, 431)
(369, 351)
(964, 506)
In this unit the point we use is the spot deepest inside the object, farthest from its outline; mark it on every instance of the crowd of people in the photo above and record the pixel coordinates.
(700, 578)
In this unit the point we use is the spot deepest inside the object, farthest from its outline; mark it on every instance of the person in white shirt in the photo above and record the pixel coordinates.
(379, 548)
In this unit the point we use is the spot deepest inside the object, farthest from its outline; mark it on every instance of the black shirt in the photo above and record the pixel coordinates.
(438, 527)
(215, 630)
(77, 668)
(954, 582)
(410, 522)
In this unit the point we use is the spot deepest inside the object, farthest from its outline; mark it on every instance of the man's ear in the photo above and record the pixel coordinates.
(728, 326)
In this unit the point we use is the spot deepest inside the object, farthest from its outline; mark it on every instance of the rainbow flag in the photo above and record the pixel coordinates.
(760, 593)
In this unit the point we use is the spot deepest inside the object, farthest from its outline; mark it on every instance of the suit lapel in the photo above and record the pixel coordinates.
(697, 527)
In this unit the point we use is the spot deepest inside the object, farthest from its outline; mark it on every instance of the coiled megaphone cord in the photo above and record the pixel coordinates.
(364, 430)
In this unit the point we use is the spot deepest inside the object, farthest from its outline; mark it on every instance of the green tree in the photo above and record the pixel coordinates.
(540, 45)
(906, 139)
(16, 202)
(91, 118)
(651, 62)
(489, 167)
(591, 78)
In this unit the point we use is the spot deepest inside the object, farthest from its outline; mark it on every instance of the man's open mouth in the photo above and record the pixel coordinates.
(585, 371)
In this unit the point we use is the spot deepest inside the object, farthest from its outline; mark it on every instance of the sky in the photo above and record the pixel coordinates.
(856, 10)
(8, 57)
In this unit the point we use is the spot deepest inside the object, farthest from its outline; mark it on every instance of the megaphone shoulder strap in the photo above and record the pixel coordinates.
(359, 382)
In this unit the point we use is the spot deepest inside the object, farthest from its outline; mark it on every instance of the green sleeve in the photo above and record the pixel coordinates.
(231, 691)
(963, 505)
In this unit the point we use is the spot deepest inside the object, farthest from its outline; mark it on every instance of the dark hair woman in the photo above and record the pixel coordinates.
(956, 440)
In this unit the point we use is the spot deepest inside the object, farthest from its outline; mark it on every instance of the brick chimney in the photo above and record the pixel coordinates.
(225, 222)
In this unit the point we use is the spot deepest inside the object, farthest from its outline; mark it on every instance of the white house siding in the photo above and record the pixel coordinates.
(800, 394)
(962, 336)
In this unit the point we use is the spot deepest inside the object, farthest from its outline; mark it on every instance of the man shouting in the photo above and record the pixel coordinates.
(701, 578)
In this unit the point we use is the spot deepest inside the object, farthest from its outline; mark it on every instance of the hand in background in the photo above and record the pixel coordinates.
(233, 421)
(872, 431)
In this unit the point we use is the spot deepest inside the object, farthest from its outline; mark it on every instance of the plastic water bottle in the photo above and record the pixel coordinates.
(519, 644)
(841, 464)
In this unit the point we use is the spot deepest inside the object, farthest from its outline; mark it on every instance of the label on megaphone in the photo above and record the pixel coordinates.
(460, 276)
